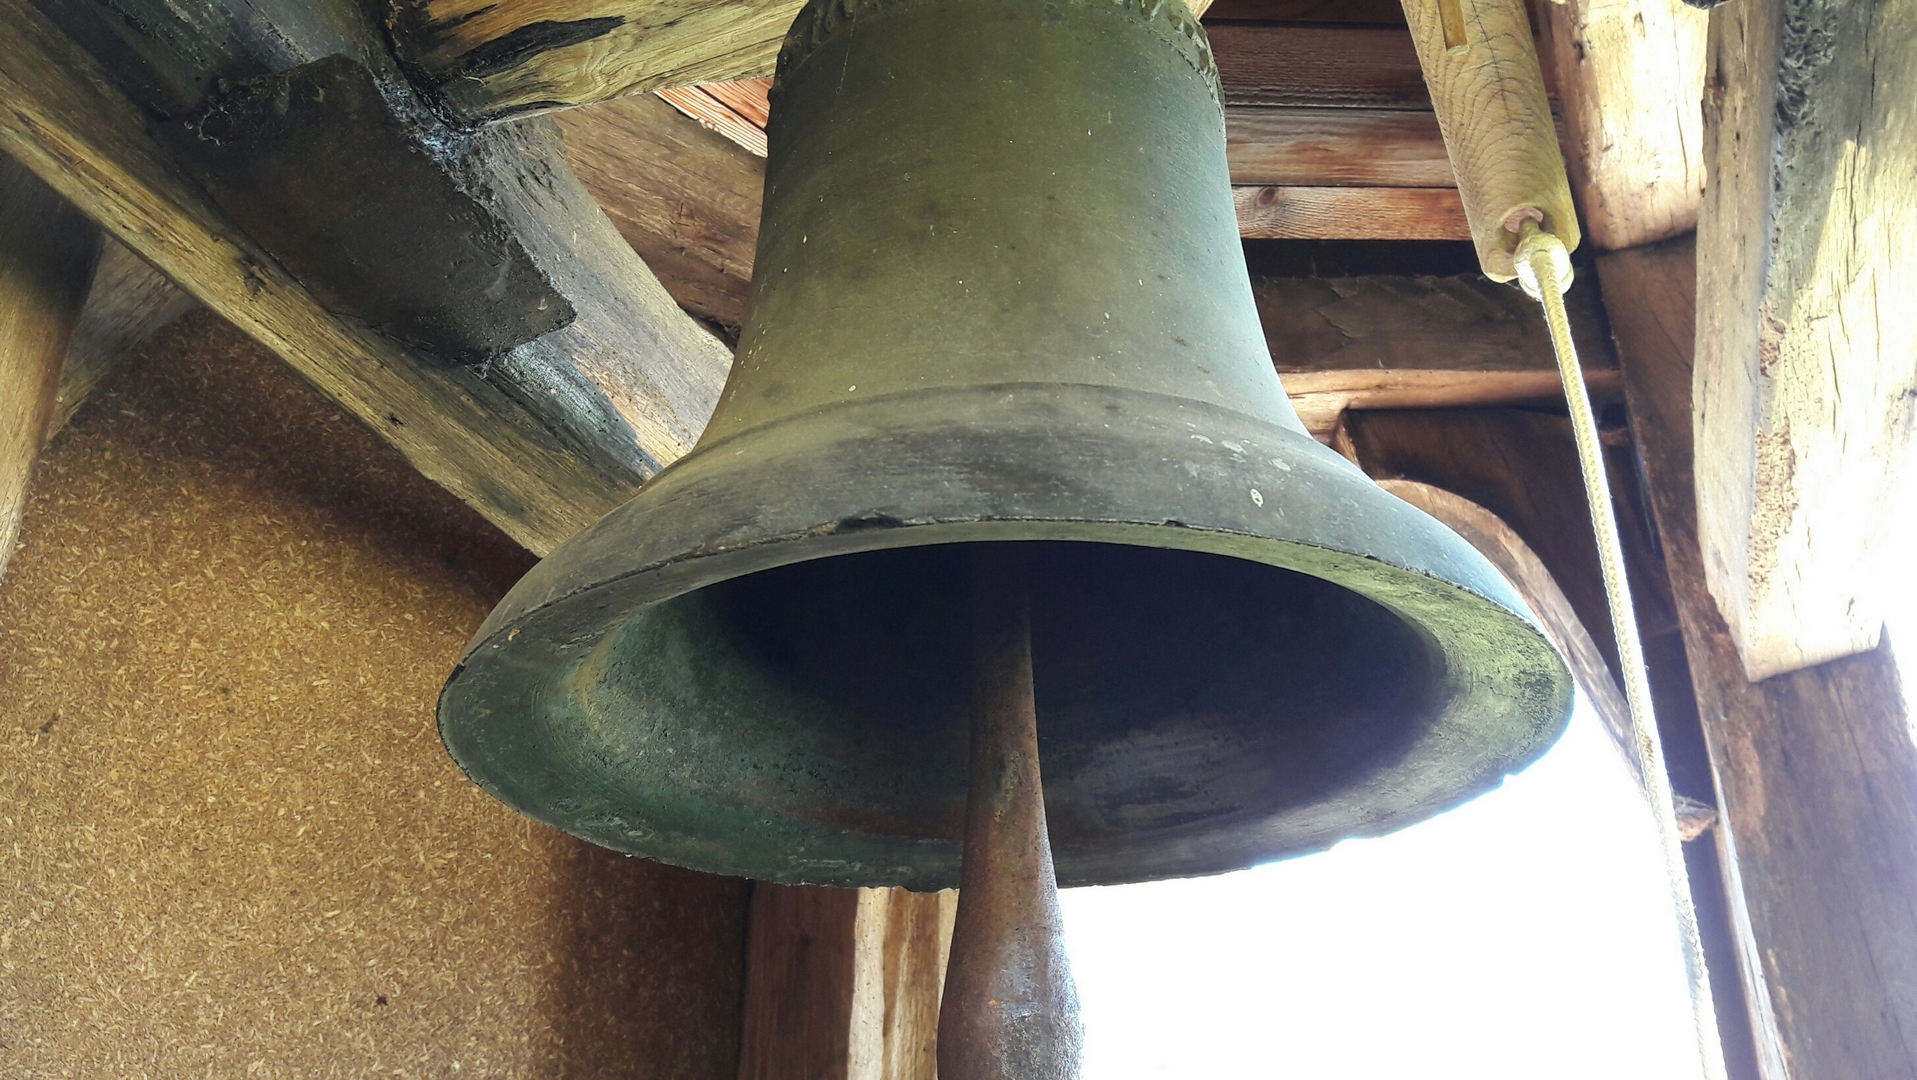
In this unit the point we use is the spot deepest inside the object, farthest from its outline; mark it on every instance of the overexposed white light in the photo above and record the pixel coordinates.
(1527, 934)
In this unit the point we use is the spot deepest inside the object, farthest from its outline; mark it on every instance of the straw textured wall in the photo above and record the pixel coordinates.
(230, 842)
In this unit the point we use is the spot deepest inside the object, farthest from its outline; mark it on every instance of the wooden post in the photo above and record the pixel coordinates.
(843, 984)
(1805, 396)
(47, 252)
(1816, 771)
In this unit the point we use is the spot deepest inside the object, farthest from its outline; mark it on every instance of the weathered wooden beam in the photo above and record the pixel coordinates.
(1630, 78)
(489, 60)
(1806, 396)
(66, 121)
(844, 984)
(1394, 342)
(127, 304)
(551, 435)
(47, 254)
(1815, 769)
(686, 198)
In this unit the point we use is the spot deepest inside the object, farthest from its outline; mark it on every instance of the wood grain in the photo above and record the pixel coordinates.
(686, 198)
(1354, 66)
(1630, 78)
(491, 440)
(1350, 213)
(844, 984)
(1335, 147)
(716, 106)
(1490, 99)
(127, 303)
(1816, 771)
(903, 942)
(1806, 396)
(1396, 342)
(47, 254)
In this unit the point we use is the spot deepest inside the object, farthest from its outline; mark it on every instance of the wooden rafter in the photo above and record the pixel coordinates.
(551, 436)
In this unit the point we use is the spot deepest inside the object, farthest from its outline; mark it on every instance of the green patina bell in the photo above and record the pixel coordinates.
(1000, 297)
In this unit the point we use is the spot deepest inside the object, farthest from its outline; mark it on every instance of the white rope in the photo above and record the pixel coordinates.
(1544, 269)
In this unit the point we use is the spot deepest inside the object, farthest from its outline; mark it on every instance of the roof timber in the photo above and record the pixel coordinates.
(548, 437)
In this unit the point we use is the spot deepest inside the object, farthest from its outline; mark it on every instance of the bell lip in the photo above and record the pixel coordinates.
(591, 585)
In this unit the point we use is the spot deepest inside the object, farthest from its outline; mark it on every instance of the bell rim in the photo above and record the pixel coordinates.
(572, 619)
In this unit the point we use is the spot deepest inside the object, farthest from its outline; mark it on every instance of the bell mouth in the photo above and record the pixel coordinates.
(758, 666)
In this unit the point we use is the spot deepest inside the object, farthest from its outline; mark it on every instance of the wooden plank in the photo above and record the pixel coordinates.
(843, 984)
(1395, 342)
(705, 104)
(903, 942)
(1816, 771)
(1350, 213)
(686, 198)
(61, 116)
(800, 949)
(1281, 145)
(1807, 264)
(1630, 78)
(1353, 66)
(47, 254)
(126, 305)
(1335, 147)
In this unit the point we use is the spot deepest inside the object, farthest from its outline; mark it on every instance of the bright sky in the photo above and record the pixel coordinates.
(1527, 934)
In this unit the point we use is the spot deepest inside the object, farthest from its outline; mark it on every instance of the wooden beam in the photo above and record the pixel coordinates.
(1394, 342)
(1352, 66)
(686, 198)
(486, 59)
(1350, 213)
(844, 984)
(1816, 771)
(549, 438)
(1630, 78)
(1335, 147)
(1807, 262)
(47, 253)
(489, 60)
(127, 303)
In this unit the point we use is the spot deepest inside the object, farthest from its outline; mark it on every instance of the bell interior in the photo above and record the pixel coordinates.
(1178, 692)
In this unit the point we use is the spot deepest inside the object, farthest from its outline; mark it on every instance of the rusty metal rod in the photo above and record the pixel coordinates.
(1010, 1009)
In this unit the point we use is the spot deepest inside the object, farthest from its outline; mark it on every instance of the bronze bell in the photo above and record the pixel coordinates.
(1000, 297)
